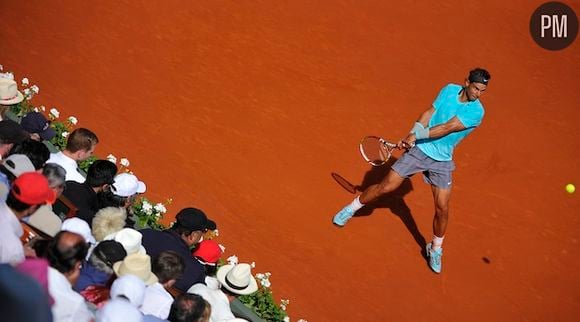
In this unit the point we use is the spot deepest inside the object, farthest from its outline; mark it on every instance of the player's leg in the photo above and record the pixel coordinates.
(391, 182)
(441, 197)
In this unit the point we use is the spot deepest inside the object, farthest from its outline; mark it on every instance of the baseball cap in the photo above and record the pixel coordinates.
(110, 252)
(208, 252)
(11, 132)
(126, 185)
(18, 164)
(35, 122)
(194, 219)
(32, 188)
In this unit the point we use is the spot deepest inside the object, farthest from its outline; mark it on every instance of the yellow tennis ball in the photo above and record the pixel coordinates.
(570, 188)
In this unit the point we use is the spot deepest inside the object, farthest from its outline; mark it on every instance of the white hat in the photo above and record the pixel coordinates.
(9, 93)
(126, 185)
(238, 278)
(138, 265)
(130, 286)
(130, 239)
(17, 164)
(119, 310)
(79, 226)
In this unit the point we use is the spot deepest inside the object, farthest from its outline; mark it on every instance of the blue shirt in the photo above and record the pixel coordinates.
(447, 106)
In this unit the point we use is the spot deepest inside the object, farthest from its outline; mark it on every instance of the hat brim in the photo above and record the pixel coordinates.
(211, 225)
(19, 98)
(47, 134)
(221, 276)
(141, 188)
(152, 279)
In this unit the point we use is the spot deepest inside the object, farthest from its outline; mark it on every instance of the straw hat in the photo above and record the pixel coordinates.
(9, 93)
(138, 265)
(237, 279)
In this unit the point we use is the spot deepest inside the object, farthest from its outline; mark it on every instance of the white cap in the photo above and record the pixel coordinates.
(126, 185)
(131, 287)
(79, 226)
(119, 310)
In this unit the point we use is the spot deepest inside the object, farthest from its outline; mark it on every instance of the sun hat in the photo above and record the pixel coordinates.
(138, 265)
(32, 188)
(237, 278)
(79, 226)
(208, 252)
(131, 287)
(194, 219)
(126, 185)
(35, 122)
(12, 132)
(130, 239)
(9, 93)
(18, 164)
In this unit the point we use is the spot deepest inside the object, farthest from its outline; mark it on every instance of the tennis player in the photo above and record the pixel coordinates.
(455, 113)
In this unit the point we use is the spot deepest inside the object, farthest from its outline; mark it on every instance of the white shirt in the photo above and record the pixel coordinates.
(11, 250)
(69, 306)
(70, 165)
(220, 305)
(157, 301)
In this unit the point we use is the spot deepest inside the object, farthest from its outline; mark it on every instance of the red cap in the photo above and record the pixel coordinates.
(32, 188)
(208, 252)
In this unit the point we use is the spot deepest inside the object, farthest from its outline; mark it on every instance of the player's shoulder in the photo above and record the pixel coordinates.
(452, 87)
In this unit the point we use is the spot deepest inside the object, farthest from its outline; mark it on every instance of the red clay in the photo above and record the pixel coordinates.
(244, 109)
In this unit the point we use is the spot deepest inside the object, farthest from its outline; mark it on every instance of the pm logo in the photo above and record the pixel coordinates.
(554, 26)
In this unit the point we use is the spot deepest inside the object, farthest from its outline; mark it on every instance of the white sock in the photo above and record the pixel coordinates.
(437, 242)
(355, 204)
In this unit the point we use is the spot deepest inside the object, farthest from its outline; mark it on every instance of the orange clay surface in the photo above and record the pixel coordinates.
(245, 108)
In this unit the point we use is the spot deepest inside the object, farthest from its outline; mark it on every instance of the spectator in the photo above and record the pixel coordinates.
(44, 218)
(108, 221)
(9, 95)
(168, 267)
(119, 310)
(10, 168)
(131, 289)
(98, 269)
(130, 239)
(10, 133)
(37, 126)
(84, 195)
(80, 145)
(29, 191)
(80, 227)
(122, 192)
(36, 151)
(189, 308)
(138, 265)
(65, 254)
(186, 232)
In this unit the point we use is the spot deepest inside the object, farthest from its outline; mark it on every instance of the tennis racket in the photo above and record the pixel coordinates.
(376, 150)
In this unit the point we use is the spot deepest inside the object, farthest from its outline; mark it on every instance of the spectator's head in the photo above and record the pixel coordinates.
(81, 144)
(119, 309)
(16, 164)
(138, 265)
(189, 307)
(105, 254)
(37, 126)
(101, 174)
(10, 133)
(130, 239)
(66, 252)
(168, 266)
(123, 190)
(108, 221)
(55, 174)
(9, 94)
(191, 224)
(237, 279)
(36, 151)
(79, 226)
(208, 253)
(130, 288)
(29, 191)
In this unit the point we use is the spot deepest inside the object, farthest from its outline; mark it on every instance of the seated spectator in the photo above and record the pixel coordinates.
(84, 195)
(29, 191)
(10, 168)
(119, 310)
(44, 218)
(130, 239)
(80, 145)
(80, 227)
(37, 152)
(9, 95)
(168, 267)
(187, 231)
(189, 307)
(65, 253)
(98, 269)
(122, 192)
(108, 221)
(136, 264)
(131, 289)
(10, 133)
(37, 126)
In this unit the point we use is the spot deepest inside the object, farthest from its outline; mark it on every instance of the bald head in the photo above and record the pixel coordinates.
(66, 251)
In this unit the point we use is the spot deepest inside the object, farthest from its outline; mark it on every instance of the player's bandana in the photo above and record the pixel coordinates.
(478, 79)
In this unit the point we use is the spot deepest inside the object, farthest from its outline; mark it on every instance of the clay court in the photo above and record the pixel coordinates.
(245, 109)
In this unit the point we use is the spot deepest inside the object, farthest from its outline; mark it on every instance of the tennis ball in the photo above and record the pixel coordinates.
(570, 188)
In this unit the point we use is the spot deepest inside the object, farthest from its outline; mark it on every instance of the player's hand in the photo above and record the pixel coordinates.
(407, 143)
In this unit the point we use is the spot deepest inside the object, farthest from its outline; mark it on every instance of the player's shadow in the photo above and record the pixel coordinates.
(393, 201)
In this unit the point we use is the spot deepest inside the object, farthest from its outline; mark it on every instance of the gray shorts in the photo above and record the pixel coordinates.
(436, 173)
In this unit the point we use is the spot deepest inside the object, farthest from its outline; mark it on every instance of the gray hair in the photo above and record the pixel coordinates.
(99, 264)
(55, 174)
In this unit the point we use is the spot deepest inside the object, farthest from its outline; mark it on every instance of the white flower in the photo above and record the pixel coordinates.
(265, 283)
(42, 108)
(26, 91)
(216, 232)
(112, 158)
(253, 264)
(147, 206)
(233, 260)
(1, 67)
(222, 247)
(25, 81)
(124, 162)
(36, 109)
(302, 320)
(54, 112)
(160, 208)
(260, 276)
(35, 89)
(73, 120)
(286, 318)
(64, 134)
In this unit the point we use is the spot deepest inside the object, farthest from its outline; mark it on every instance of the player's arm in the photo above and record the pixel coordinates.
(421, 123)
(437, 131)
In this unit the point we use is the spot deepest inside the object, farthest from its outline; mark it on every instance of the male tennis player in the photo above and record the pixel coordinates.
(455, 113)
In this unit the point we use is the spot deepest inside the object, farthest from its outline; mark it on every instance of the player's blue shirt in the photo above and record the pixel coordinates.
(447, 105)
